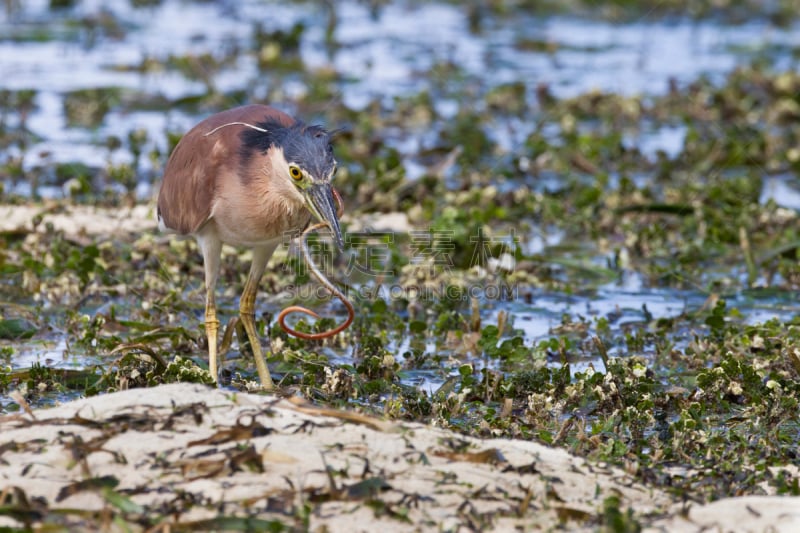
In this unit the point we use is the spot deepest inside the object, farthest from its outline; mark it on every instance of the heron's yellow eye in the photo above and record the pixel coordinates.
(295, 173)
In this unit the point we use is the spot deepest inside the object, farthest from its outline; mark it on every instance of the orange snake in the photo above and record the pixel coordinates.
(351, 313)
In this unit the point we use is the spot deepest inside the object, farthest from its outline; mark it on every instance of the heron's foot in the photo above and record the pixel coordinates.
(247, 319)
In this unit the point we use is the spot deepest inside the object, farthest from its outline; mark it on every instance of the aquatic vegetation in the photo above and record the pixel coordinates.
(610, 273)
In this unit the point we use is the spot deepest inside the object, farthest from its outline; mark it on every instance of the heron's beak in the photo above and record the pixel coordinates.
(319, 199)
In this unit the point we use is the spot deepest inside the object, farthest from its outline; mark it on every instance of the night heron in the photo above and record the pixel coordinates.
(250, 177)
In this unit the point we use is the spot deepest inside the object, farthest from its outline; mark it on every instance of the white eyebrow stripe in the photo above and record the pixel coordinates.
(262, 130)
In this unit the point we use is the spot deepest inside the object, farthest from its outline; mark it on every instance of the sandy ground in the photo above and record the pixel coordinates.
(192, 453)
(77, 220)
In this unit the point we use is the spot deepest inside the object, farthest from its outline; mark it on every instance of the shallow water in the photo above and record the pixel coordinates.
(379, 56)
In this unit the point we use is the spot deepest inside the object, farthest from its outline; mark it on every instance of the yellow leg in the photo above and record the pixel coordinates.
(212, 328)
(211, 247)
(227, 337)
(247, 317)
(247, 305)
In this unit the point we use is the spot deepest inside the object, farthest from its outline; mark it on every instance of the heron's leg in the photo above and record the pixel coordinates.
(227, 337)
(247, 305)
(212, 249)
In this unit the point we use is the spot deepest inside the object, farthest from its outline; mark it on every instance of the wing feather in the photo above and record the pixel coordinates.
(201, 158)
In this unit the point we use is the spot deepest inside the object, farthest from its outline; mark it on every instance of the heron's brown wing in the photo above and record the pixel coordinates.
(200, 159)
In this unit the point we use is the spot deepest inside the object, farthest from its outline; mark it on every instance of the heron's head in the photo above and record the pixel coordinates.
(302, 156)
